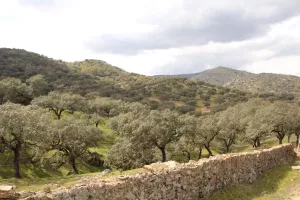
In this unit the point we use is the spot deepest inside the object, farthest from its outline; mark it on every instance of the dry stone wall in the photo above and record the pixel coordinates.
(192, 180)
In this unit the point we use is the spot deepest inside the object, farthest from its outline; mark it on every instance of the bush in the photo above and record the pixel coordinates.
(185, 109)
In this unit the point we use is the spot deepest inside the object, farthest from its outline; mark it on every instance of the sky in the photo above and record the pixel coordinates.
(159, 36)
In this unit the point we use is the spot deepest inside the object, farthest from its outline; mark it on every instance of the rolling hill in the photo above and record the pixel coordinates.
(220, 75)
(96, 77)
(265, 84)
(215, 76)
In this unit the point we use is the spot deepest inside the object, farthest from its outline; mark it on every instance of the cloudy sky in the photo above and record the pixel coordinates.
(159, 36)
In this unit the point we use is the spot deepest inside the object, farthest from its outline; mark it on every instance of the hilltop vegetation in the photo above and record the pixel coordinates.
(268, 84)
(265, 85)
(220, 75)
(98, 78)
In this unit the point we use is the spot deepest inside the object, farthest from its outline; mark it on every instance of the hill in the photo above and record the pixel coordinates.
(96, 77)
(21, 64)
(215, 76)
(220, 75)
(265, 84)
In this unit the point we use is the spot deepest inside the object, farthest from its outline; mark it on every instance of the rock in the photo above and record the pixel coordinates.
(47, 190)
(56, 185)
(80, 185)
(106, 171)
(122, 178)
(25, 194)
(296, 167)
(8, 192)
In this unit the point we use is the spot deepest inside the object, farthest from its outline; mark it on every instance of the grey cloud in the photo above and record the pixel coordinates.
(225, 26)
(199, 62)
(236, 58)
(220, 25)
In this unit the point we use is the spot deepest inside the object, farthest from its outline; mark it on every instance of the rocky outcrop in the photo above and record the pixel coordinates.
(191, 180)
(8, 192)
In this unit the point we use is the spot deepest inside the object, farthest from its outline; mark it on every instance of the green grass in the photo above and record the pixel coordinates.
(35, 178)
(275, 184)
(179, 157)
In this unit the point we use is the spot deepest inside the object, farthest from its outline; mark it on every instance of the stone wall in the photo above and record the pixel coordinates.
(171, 180)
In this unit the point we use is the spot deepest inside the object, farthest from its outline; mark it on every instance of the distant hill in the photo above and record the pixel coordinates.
(220, 75)
(215, 76)
(265, 83)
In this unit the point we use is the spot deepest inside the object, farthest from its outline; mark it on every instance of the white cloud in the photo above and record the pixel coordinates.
(281, 65)
(265, 39)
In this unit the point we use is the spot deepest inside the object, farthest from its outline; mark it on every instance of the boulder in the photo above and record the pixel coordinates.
(8, 192)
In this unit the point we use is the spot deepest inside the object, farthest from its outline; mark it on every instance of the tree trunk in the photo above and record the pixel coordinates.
(258, 142)
(74, 166)
(209, 151)
(188, 155)
(56, 112)
(280, 140)
(200, 153)
(163, 154)
(297, 140)
(289, 138)
(254, 144)
(227, 148)
(60, 113)
(16, 162)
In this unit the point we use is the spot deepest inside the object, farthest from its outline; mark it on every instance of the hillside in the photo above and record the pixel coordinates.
(267, 85)
(215, 76)
(22, 64)
(96, 77)
(220, 75)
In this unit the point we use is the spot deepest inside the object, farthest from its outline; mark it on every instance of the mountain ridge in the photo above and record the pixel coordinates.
(262, 83)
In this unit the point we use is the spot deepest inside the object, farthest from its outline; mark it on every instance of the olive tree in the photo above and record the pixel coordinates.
(155, 128)
(39, 85)
(198, 133)
(159, 128)
(72, 138)
(13, 90)
(59, 102)
(232, 126)
(279, 118)
(189, 141)
(257, 127)
(21, 127)
(295, 122)
(126, 155)
(103, 106)
(208, 131)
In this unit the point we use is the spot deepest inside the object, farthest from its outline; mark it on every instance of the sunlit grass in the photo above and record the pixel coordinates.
(274, 185)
